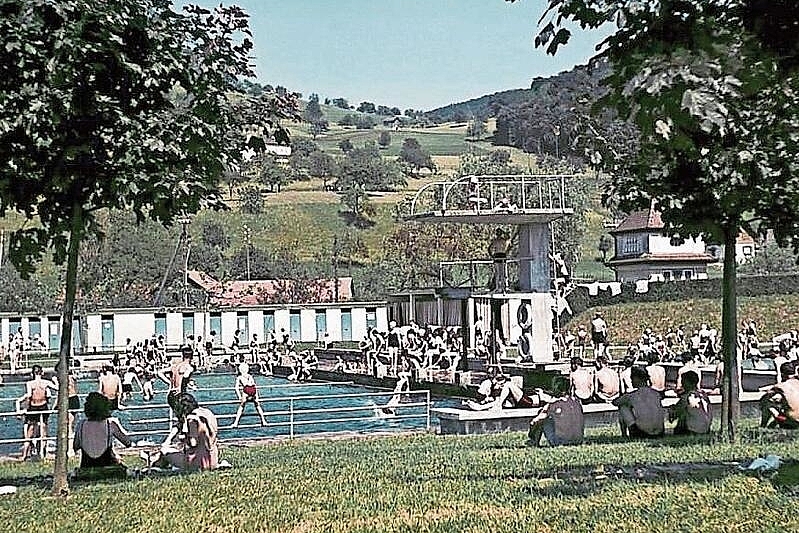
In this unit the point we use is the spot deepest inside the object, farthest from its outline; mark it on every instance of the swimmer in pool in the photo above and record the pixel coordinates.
(247, 391)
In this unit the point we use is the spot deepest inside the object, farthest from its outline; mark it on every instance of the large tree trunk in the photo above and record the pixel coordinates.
(729, 334)
(60, 482)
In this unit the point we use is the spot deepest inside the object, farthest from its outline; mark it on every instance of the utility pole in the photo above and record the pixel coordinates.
(335, 268)
(247, 235)
(184, 236)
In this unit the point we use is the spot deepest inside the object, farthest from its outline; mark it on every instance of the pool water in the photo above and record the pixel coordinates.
(291, 409)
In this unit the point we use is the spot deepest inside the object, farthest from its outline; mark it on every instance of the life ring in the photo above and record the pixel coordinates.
(524, 316)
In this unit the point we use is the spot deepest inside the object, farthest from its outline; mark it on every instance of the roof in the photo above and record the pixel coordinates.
(641, 220)
(664, 258)
(255, 292)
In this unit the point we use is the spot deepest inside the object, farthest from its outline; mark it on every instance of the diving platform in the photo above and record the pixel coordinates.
(517, 199)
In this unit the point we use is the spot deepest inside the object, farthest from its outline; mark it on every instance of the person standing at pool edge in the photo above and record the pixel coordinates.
(247, 392)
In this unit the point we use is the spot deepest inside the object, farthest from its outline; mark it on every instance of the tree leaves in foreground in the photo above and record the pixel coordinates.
(118, 104)
(715, 97)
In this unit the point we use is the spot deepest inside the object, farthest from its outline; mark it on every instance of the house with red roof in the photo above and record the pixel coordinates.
(244, 293)
(644, 252)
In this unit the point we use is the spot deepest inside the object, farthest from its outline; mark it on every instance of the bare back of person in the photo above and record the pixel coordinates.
(37, 390)
(657, 376)
(180, 375)
(582, 382)
(110, 385)
(607, 384)
(790, 390)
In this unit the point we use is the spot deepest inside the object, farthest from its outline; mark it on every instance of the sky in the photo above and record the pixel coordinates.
(418, 54)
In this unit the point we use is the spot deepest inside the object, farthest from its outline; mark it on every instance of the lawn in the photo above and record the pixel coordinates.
(436, 483)
(773, 314)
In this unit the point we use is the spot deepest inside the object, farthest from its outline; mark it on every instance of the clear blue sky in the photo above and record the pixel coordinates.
(406, 53)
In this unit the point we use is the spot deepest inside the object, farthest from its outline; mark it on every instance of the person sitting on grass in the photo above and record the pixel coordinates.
(692, 412)
(247, 392)
(560, 420)
(641, 414)
(196, 447)
(779, 407)
(95, 434)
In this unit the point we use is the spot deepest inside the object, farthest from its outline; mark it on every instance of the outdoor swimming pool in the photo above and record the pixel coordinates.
(292, 409)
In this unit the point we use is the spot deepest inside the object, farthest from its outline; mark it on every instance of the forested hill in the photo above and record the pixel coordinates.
(491, 104)
(484, 106)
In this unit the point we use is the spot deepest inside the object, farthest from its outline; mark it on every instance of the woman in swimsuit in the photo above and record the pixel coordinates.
(247, 392)
(94, 435)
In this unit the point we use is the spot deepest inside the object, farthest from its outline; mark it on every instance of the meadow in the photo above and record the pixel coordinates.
(436, 483)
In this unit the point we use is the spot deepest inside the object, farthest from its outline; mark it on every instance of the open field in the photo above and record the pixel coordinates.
(435, 483)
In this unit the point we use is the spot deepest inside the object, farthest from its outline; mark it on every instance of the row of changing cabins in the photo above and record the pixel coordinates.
(110, 329)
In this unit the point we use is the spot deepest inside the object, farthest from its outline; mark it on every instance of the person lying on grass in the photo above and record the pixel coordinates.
(504, 394)
(94, 435)
(560, 420)
(779, 407)
(641, 414)
(692, 412)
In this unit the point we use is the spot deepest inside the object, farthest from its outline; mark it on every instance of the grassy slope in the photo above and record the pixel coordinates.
(773, 314)
(431, 483)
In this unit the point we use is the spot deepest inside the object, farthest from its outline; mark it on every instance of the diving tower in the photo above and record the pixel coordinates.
(530, 202)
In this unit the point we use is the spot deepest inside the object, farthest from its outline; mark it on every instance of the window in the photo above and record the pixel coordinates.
(346, 324)
(631, 245)
(687, 274)
(371, 317)
(667, 275)
(107, 325)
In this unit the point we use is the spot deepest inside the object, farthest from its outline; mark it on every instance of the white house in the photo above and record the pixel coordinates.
(643, 252)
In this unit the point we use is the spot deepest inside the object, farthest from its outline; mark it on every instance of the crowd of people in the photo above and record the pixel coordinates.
(411, 348)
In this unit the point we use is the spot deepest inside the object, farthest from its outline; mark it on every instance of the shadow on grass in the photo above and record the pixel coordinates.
(357, 221)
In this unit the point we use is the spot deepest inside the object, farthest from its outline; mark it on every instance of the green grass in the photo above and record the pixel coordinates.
(433, 483)
(773, 314)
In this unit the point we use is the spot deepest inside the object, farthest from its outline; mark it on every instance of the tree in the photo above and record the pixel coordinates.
(313, 116)
(321, 165)
(345, 145)
(366, 107)
(476, 128)
(213, 234)
(273, 174)
(414, 156)
(712, 88)
(119, 104)
(341, 103)
(384, 139)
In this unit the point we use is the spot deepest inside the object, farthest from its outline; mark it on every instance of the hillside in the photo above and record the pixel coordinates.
(482, 106)
(773, 315)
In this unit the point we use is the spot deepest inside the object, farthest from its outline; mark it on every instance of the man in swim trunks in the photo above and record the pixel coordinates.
(110, 386)
(507, 395)
(581, 381)
(607, 382)
(178, 381)
(247, 391)
(37, 393)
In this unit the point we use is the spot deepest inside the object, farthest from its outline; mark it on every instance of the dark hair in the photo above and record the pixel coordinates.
(560, 386)
(690, 380)
(36, 369)
(628, 361)
(639, 376)
(576, 361)
(96, 406)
